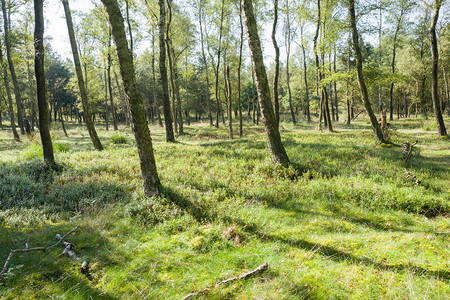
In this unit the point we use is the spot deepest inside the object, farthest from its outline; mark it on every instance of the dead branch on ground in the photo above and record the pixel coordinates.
(259, 269)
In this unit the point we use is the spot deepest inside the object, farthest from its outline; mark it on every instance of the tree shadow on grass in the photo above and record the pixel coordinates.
(336, 255)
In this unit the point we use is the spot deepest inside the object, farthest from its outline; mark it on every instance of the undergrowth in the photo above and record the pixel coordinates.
(342, 221)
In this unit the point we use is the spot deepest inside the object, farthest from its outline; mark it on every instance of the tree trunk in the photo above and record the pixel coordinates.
(61, 117)
(277, 63)
(152, 184)
(108, 70)
(40, 84)
(288, 75)
(32, 97)
(305, 75)
(176, 88)
(273, 137)
(435, 68)
(239, 72)
(216, 68)
(205, 64)
(17, 93)
(163, 72)
(8, 94)
(316, 56)
(130, 32)
(125, 107)
(229, 109)
(155, 98)
(81, 85)
(359, 69)
(106, 101)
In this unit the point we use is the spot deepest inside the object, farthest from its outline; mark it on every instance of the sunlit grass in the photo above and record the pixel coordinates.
(342, 222)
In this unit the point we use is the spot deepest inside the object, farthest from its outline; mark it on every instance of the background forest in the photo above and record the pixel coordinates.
(344, 193)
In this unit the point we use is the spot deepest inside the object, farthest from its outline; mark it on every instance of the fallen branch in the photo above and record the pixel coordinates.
(68, 251)
(84, 265)
(11, 253)
(259, 269)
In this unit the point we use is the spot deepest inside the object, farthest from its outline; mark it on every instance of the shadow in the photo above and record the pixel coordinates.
(336, 255)
(31, 185)
(48, 271)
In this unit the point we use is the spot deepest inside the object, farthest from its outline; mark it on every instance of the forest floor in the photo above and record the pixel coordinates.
(344, 221)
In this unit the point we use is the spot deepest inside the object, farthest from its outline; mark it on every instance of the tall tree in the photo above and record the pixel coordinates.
(229, 105)
(81, 84)
(17, 89)
(273, 137)
(435, 69)
(163, 71)
(205, 63)
(8, 94)
(288, 36)
(277, 63)
(359, 71)
(44, 127)
(152, 184)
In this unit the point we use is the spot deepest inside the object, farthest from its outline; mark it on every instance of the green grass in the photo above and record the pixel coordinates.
(342, 222)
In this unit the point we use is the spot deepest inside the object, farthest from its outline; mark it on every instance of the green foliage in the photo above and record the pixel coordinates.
(118, 139)
(342, 221)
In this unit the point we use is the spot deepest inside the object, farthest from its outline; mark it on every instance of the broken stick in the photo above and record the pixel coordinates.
(84, 265)
(259, 269)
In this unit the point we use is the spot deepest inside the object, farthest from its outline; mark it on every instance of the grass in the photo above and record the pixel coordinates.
(342, 222)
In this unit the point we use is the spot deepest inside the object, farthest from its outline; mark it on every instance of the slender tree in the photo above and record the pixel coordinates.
(17, 89)
(273, 137)
(152, 184)
(435, 69)
(9, 97)
(44, 127)
(359, 71)
(163, 71)
(81, 84)
(229, 106)
(277, 63)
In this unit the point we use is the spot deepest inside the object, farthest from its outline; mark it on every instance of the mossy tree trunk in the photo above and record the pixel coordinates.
(41, 92)
(273, 137)
(359, 71)
(139, 120)
(81, 84)
(434, 78)
(163, 72)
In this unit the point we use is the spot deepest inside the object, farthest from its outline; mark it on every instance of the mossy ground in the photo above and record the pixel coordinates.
(342, 222)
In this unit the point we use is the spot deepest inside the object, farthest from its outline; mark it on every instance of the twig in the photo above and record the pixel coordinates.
(62, 238)
(261, 268)
(11, 252)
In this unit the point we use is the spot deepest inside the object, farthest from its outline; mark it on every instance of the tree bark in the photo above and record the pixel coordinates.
(435, 69)
(241, 43)
(273, 137)
(81, 84)
(41, 92)
(229, 108)
(359, 71)
(17, 93)
(277, 63)
(8, 94)
(163, 72)
(155, 98)
(305, 75)
(152, 184)
(108, 74)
